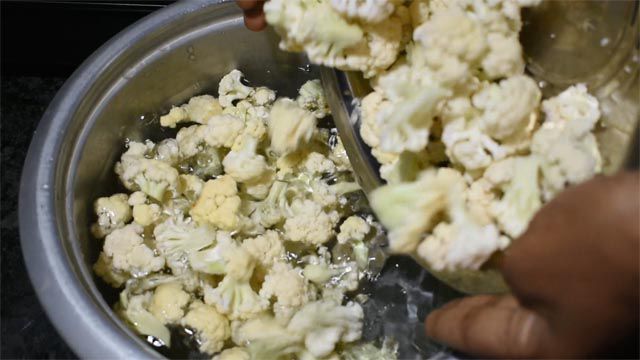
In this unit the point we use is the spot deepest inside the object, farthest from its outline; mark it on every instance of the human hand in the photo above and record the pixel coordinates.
(253, 15)
(575, 281)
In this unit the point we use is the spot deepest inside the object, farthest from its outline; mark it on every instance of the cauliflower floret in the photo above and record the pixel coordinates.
(127, 252)
(190, 186)
(153, 177)
(461, 245)
(266, 338)
(218, 204)
(522, 197)
(316, 163)
(168, 151)
(105, 270)
(212, 328)
(137, 198)
(467, 145)
(234, 296)
(168, 302)
(113, 212)
(354, 228)
(234, 353)
(329, 39)
(504, 58)
(407, 216)
(406, 124)
(243, 164)
(311, 98)
(290, 126)
(146, 214)
(271, 210)
(223, 130)
(259, 187)
(509, 107)
(324, 324)
(353, 232)
(568, 149)
(308, 222)
(288, 287)
(135, 312)
(371, 11)
(199, 109)
(231, 88)
(263, 96)
(267, 248)
(177, 238)
(451, 43)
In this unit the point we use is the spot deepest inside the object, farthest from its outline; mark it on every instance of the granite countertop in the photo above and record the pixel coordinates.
(26, 330)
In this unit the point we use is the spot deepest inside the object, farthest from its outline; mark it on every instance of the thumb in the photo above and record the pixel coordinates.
(489, 326)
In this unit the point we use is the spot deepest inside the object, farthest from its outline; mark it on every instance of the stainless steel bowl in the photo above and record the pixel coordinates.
(164, 59)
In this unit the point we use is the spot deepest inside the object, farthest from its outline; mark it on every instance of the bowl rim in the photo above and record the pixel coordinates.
(74, 312)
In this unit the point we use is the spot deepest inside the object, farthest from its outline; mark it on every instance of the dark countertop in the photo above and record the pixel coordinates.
(26, 330)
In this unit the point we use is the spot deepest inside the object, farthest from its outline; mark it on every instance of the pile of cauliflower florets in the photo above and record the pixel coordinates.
(467, 146)
(239, 229)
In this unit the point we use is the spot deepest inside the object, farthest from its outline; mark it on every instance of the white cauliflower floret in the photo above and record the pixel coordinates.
(406, 124)
(316, 163)
(113, 213)
(104, 269)
(137, 198)
(462, 244)
(371, 11)
(288, 287)
(521, 193)
(168, 151)
(407, 216)
(467, 145)
(218, 204)
(127, 252)
(508, 108)
(290, 126)
(212, 328)
(271, 210)
(135, 312)
(263, 96)
(311, 98)
(267, 248)
(177, 238)
(234, 353)
(329, 39)
(231, 88)
(223, 130)
(354, 228)
(199, 109)
(234, 296)
(568, 149)
(504, 58)
(153, 177)
(451, 43)
(353, 232)
(190, 186)
(259, 187)
(243, 164)
(146, 214)
(266, 338)
(324, 324)
(168, 302)
(308, 222)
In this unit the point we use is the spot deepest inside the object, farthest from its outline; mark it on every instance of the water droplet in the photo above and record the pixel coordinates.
(604, 41)
(192, 57)
(552, 35)
(627, 69)
(45, 187)
(190, 50)
(542, 84)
